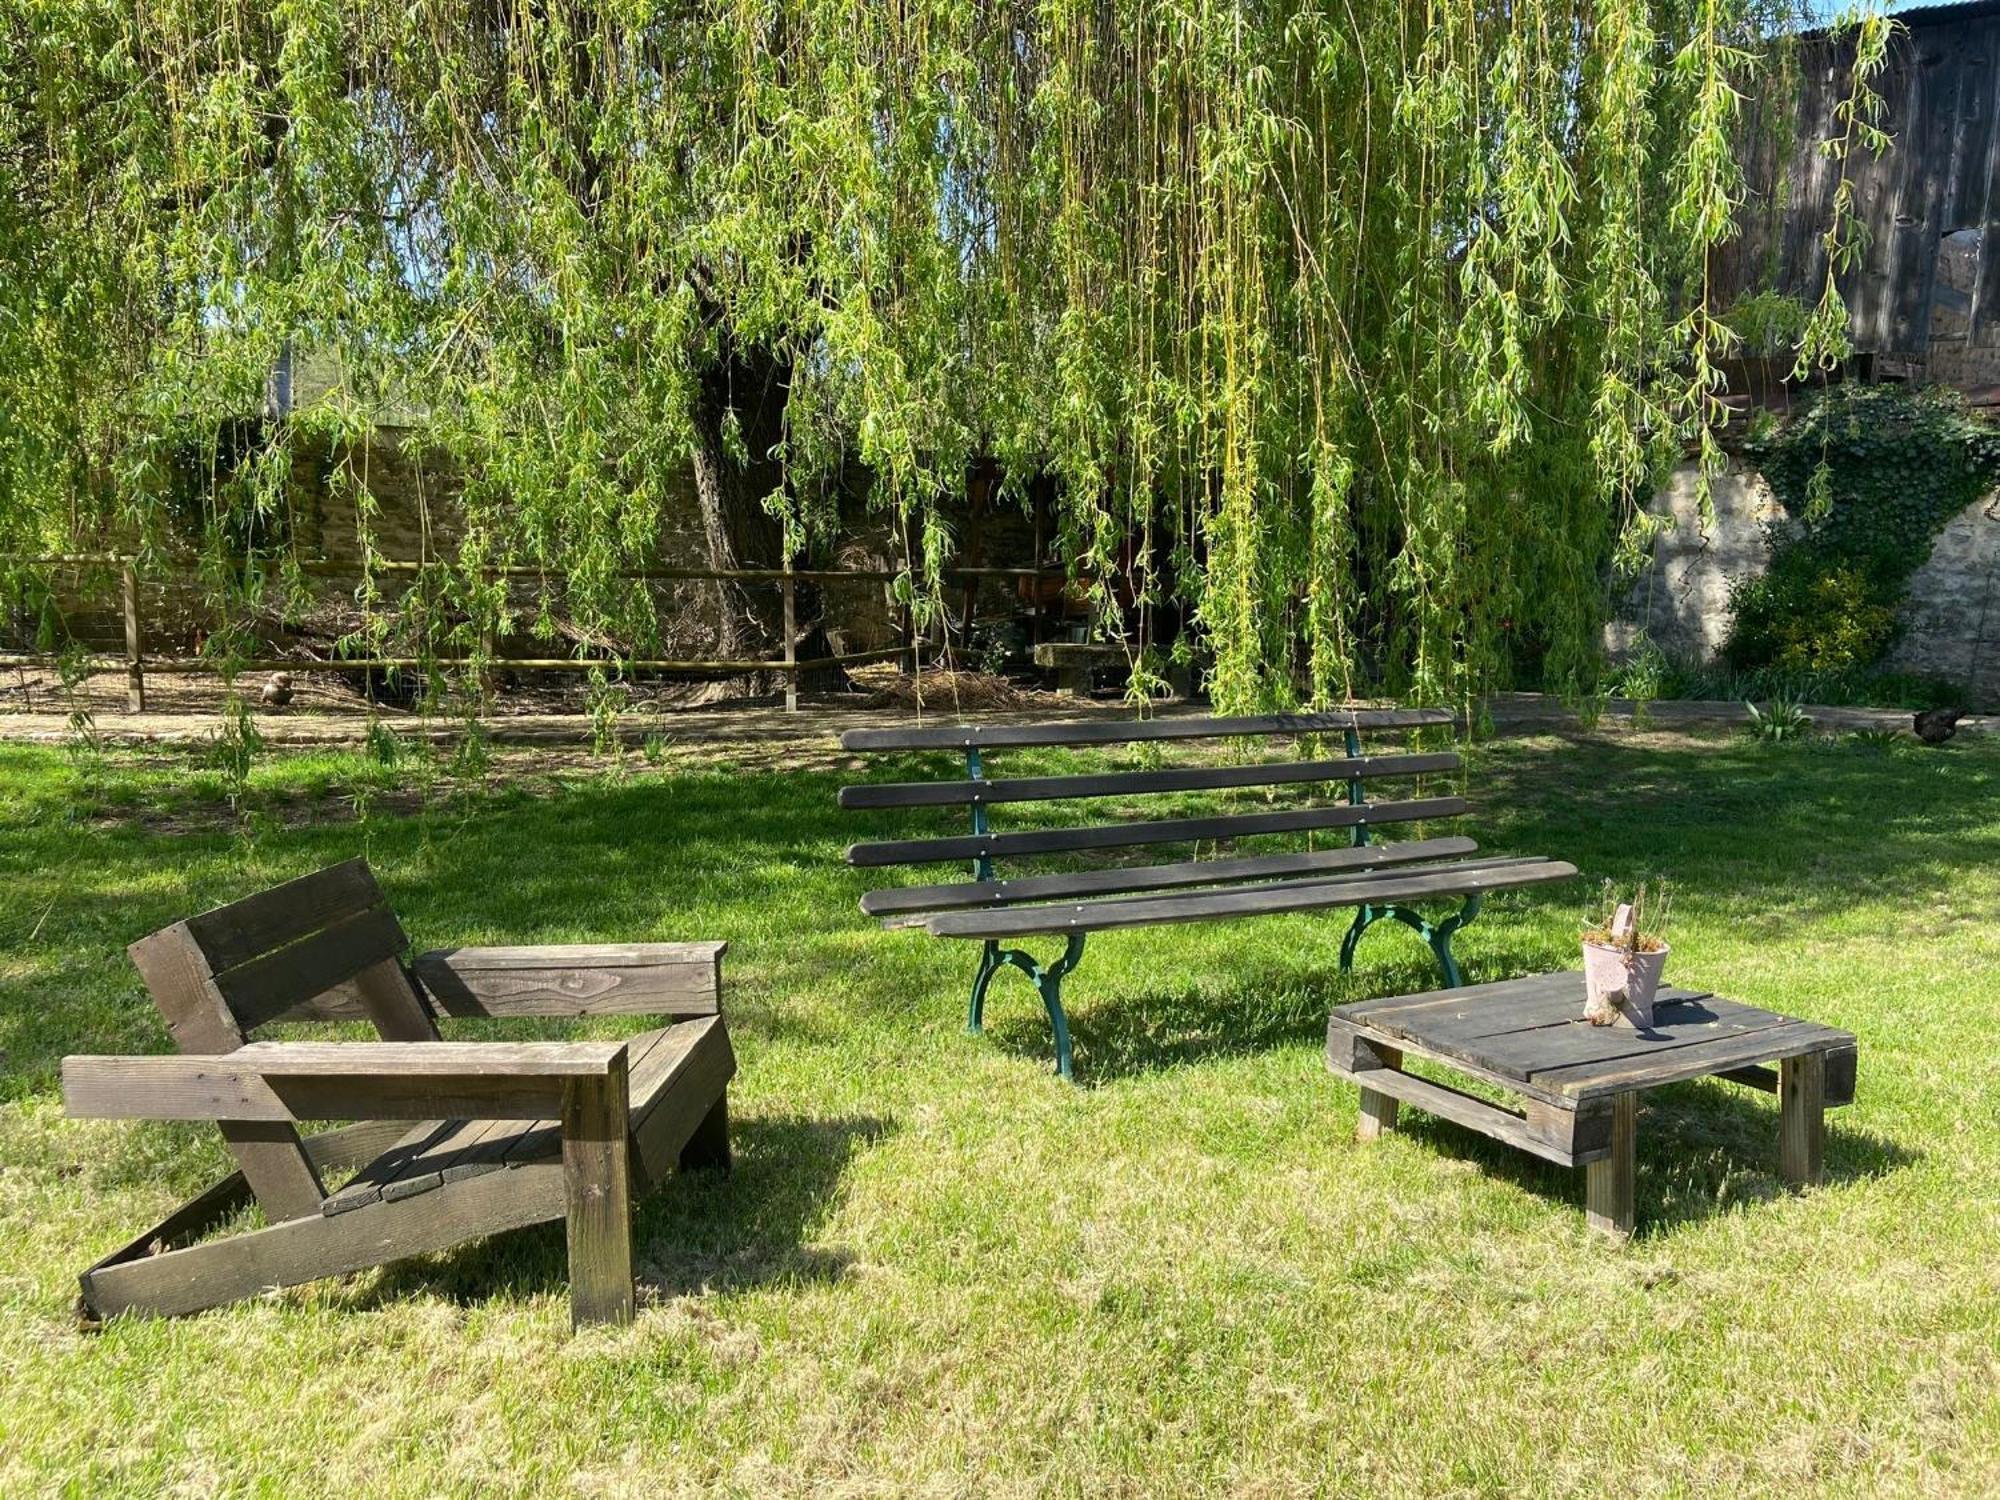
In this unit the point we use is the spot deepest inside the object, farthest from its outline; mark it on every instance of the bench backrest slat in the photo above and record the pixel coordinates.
(1158, 831)
(1138, 731)
(1131, 783)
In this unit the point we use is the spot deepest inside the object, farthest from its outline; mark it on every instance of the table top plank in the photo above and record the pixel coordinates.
(1496, 994)
(1593, 1079)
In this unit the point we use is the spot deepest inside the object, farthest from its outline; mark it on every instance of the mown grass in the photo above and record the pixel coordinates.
(936, 1269)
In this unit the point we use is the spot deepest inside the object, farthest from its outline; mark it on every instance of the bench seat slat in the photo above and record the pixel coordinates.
(906, 901)
(1131, 783)
(1243, 901)
(1376, 872)
(1156, 831)
(1136, 731)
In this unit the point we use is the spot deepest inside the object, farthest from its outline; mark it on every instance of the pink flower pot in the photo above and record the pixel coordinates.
(1621, 984)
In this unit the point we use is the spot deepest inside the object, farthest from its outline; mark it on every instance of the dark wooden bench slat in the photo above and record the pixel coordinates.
(1133, 783)
(910, 900)
(1365, 872)
(1157, 831)
(1136, 731)
(1264, 900)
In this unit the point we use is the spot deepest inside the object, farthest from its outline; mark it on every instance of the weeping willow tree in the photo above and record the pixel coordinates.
(1357, 333)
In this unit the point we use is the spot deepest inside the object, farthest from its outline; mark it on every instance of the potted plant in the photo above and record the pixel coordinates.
(1624, 953)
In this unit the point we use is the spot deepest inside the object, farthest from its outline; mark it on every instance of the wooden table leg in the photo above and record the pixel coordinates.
(1378, 1111)
(1802, 1117)
(1610, 1186)
(597, 1174)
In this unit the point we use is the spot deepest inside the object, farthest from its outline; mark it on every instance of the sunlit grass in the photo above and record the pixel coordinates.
(938, 1269)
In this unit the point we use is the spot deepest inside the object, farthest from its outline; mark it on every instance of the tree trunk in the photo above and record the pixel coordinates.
(754, 385)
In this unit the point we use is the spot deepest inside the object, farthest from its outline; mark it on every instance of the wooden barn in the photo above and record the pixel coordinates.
(1926, 298)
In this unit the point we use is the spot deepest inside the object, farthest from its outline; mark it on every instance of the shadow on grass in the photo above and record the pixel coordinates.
(698, 1232)
(1122, 1032)
(1704, 1147)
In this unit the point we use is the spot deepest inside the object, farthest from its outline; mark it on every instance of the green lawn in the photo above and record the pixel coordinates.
(937, 1269)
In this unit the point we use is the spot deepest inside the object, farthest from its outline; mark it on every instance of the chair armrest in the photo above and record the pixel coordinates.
(576, 979)
(288, 1081)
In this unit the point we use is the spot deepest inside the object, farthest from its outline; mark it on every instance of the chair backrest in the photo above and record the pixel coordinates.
(323, 947)
(981, 846)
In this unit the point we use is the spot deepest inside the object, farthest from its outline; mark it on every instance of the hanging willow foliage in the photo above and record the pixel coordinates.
(1360, 330)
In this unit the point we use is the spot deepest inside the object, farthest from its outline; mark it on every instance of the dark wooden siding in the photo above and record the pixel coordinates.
(1940, 178)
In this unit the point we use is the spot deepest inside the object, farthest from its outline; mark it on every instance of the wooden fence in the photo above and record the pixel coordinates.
(789, 666)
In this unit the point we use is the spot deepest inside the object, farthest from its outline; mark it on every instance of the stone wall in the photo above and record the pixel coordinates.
(1682, 600)
(1951, 622)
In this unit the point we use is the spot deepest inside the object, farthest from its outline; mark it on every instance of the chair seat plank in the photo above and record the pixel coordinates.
(1290, 896)
(1155, 831)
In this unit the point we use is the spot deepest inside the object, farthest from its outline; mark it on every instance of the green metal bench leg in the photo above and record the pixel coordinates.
(1438, 936)
(1047, 982)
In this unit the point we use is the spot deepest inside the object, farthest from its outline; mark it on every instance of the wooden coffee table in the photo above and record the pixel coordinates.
(1579, 1084)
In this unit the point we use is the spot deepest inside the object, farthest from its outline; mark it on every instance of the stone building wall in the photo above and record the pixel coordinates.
(1950, 623)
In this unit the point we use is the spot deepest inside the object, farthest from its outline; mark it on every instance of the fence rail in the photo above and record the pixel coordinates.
(789, 666)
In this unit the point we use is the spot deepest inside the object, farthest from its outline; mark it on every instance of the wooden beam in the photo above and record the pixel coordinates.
(600, 979)
(309, 1248)
(597, 1185)
(1610, 1190)
(273, 1159)
(1802, 1118)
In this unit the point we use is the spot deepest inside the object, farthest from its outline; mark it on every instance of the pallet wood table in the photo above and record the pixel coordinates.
(1579, 1084)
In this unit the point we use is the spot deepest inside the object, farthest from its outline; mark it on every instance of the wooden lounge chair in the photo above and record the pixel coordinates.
(511, 1133)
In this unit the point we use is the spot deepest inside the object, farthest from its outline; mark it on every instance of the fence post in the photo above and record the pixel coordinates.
(790, 590)
(135, 669)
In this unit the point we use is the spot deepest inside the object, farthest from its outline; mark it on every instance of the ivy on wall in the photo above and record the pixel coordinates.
(1868, 476)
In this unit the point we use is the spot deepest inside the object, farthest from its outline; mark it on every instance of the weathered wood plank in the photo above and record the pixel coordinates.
(1097, 916)
(1462, 1109)
(1574, 1043)
(438, 1060)
(911, 900)
(968, 793)
(1137, 731)
(285, 1081)
(307, 1249)
(1802, 1118)
(1377, 1114)
(665, 979)
(597, 1181)
(1611, 1184)
(236, 933)
(393, 1004)
(689, 1090)
(265, 987)
(1494, 996)
(274, 1160)
(1152, 831)
(1590, 1079)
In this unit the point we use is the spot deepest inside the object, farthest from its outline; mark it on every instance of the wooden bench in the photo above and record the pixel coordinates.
(510, 1133)
(1382, 881)
(1579, 1084)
